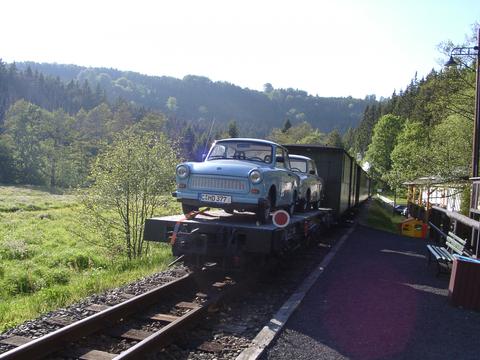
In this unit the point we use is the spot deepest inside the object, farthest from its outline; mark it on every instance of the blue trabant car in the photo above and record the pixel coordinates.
(311, 185)
(239, 174)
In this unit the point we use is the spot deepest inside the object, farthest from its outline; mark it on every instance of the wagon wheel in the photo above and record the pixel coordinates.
(263, 212)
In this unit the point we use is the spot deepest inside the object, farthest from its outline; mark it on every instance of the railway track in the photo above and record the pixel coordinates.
(129, 330)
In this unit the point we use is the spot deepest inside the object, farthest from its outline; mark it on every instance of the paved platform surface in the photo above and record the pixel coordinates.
(378, 300)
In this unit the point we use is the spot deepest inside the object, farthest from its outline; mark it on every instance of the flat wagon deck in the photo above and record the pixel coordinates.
(232, 239)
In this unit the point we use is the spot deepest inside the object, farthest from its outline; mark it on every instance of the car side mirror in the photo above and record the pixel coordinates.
(204, 156)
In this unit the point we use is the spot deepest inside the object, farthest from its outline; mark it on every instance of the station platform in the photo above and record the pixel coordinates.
(377, 299)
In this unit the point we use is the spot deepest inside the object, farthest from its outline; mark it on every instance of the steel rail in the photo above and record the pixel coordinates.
(164, 336)
(45, 345)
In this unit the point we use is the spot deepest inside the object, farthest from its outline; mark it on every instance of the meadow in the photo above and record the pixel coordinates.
(49, 258)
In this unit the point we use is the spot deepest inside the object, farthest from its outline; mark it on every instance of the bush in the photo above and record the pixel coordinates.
(58, 276)
(79, 262)
(129, 179)
(21, 283)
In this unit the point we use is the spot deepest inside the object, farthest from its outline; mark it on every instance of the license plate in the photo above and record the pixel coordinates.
(213, 198)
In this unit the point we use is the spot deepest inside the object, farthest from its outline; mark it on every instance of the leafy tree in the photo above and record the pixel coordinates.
(129, 179)
(384, 139)
(334, 139)
(286, 126)
(233, 129)
(411, 157)
(267, 88)
(188, 144)
(152, 122)
(172, 104)
(22, 130)
(348, 140)
(123, 117)
(363, 134)
(299, 134)
(7, 165)
(56, 137)
(94, 123)
(452, 148)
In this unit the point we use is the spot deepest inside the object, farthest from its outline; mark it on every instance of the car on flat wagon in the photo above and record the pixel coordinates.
(311, 185)
(246, 175)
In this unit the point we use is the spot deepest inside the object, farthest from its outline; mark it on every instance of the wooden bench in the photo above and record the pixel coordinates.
(444, 255)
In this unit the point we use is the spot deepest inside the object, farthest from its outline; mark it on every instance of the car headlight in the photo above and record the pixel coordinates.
(182, 171)
(255, 176)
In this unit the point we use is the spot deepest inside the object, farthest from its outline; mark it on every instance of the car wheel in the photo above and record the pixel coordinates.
(301, 205)
(307, 205)
(188, 208)
(291, 207)
(263, 212)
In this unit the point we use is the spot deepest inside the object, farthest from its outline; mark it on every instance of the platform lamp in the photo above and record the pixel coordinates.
(472, 51)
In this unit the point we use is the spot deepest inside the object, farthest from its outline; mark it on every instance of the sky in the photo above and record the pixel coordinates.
(327, 48)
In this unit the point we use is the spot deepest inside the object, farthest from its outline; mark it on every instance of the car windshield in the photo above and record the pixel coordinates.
(241, 150)
(298, 164)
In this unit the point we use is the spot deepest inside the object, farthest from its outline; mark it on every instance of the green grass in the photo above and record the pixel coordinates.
(401, 197)
(381, 217)
(49, 259)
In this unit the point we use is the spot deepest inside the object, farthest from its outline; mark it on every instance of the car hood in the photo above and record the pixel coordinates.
(223, 167)
(302, 176)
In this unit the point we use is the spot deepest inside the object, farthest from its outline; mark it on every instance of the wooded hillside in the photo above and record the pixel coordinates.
(197, 98)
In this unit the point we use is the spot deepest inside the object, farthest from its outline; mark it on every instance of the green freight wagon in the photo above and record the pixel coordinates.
(346, 183)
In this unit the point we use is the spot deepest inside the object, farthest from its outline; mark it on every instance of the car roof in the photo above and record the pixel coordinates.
(299, 157)
(268, 142)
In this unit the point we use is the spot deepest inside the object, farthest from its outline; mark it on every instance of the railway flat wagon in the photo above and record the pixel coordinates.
(233, 240)
(346, 183)
(237, 240)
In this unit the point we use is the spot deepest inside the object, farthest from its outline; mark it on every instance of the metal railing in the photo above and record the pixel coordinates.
(442, 221)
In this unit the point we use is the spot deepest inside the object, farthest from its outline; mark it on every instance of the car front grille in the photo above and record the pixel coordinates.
(214, 183)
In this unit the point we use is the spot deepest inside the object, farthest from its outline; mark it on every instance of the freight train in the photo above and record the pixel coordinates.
(236, 241)
(346, 183)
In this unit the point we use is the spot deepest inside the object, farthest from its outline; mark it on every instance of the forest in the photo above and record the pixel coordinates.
(424, 130)
(55, 119)
(197, 98)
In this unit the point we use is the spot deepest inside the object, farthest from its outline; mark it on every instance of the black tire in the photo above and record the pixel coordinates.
(291, 207)
(263, 212)
(306, 204)
(188, 208)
